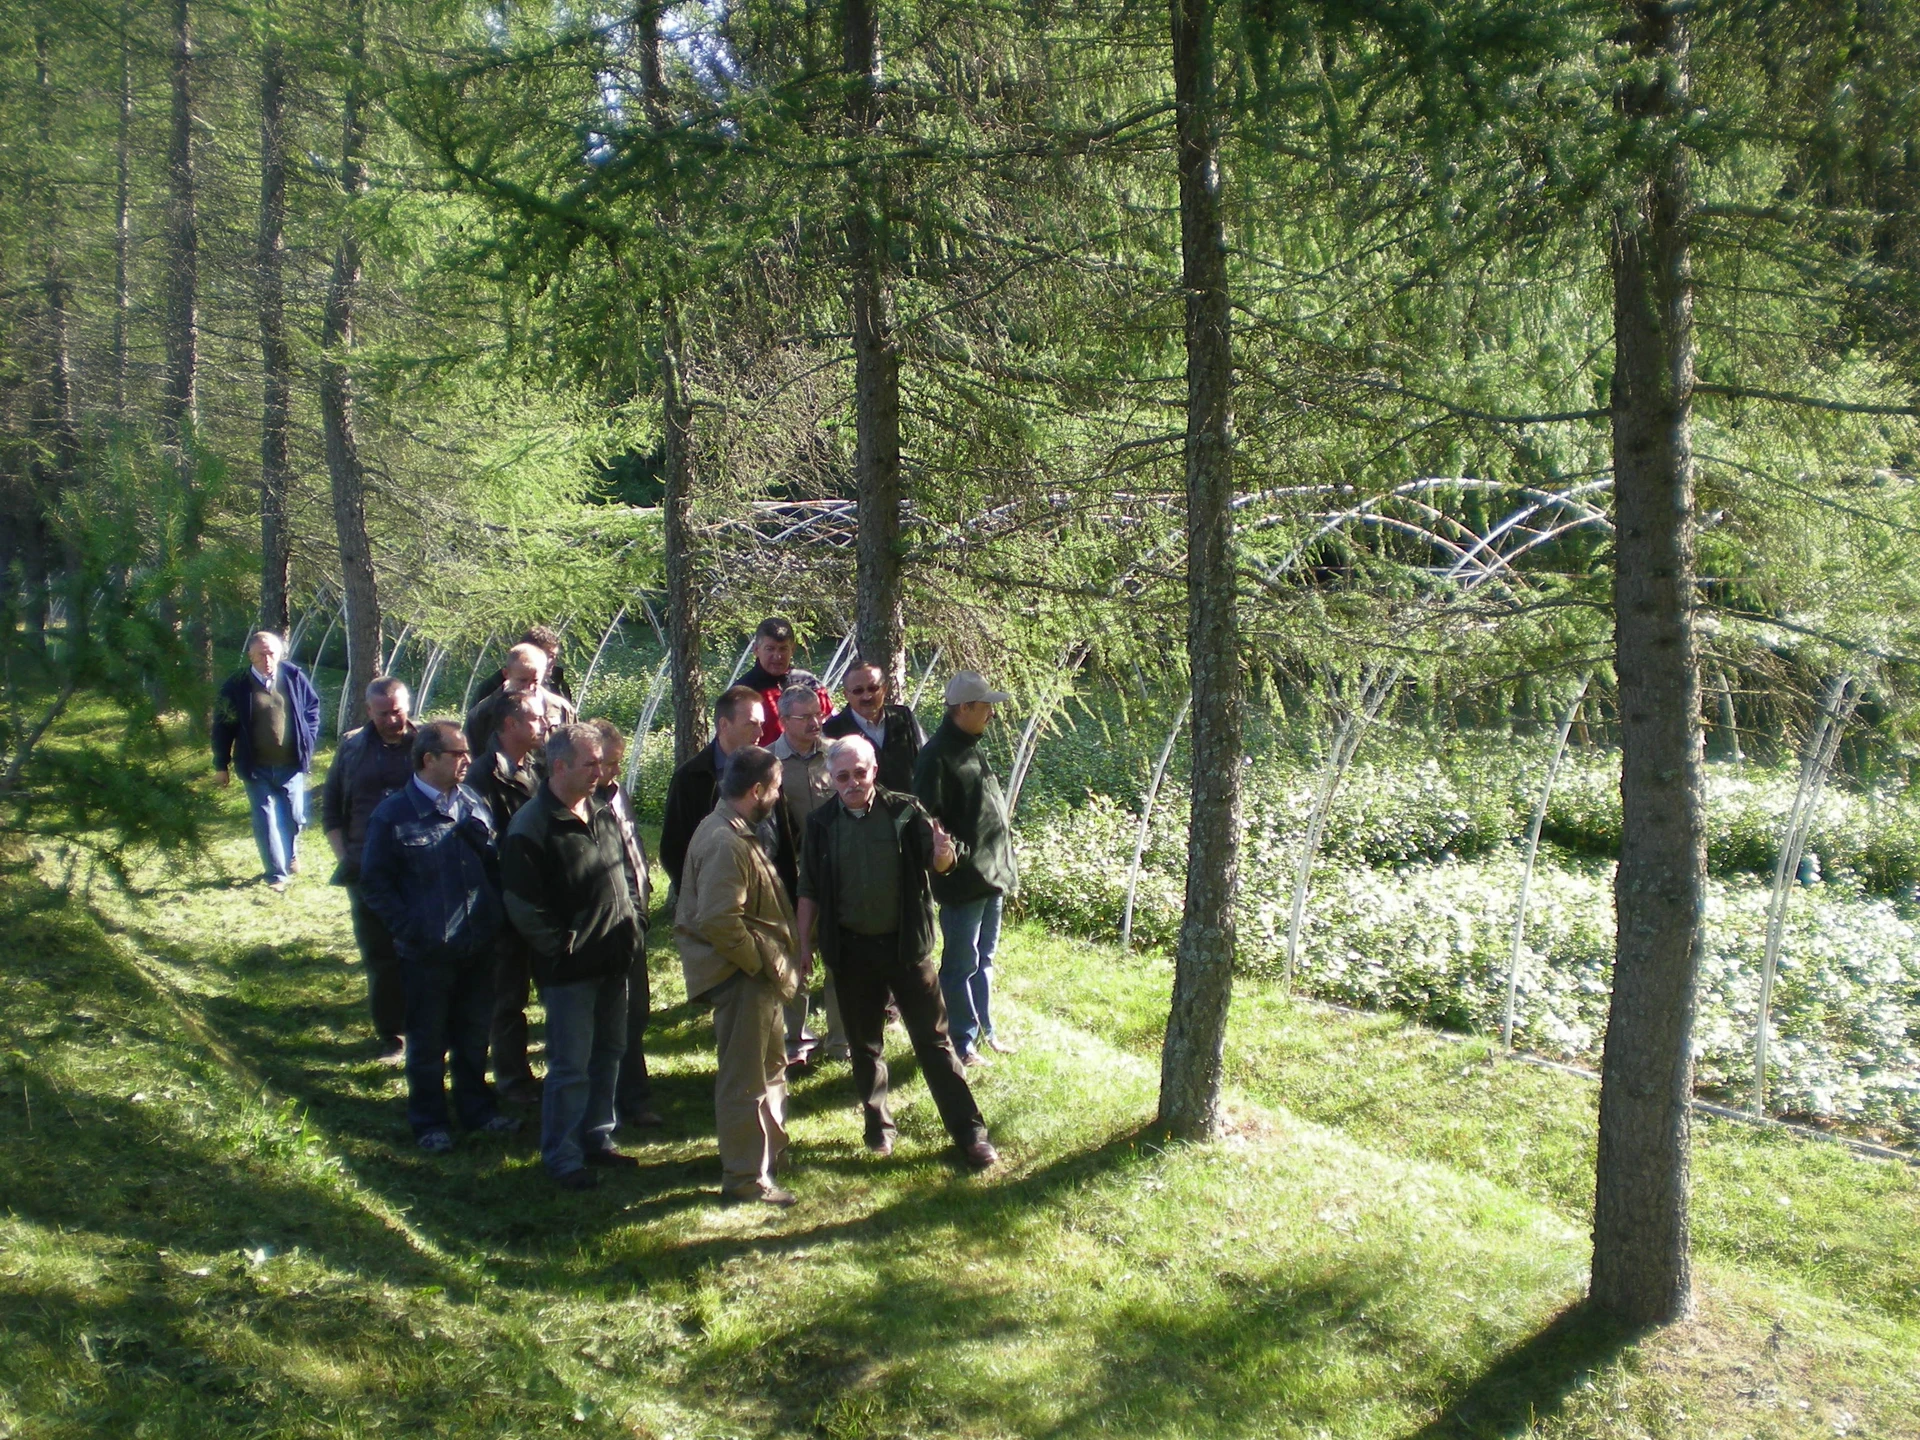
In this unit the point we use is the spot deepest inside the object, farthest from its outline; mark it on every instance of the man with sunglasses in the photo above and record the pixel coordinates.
(891, 729)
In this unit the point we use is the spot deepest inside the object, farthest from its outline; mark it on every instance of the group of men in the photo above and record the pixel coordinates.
(485, 859)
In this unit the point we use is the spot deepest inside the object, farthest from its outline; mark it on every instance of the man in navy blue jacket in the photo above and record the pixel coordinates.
(431, 872)
(266, 723)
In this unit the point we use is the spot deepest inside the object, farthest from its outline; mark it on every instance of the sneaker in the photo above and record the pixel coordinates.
(980, 1155)
(502, 1125)
(435, 1142)
(577, 1180)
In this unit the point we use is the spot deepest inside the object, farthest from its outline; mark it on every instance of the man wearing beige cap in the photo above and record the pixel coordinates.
(959, 789)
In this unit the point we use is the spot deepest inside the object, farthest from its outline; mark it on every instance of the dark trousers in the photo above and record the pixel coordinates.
(447, 1009)
(386, 996)
(868, 969)
(635, 1089)
(512, 989)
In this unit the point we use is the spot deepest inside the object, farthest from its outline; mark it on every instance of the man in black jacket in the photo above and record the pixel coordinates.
(863, 888)
(564, 872)
(959, 789)
(891, 729)
(369, 765)
(507, 776)
(738, 717)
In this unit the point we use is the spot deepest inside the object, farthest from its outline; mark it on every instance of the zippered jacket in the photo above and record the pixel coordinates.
(432, 878)
(566, 889)
(960, 790)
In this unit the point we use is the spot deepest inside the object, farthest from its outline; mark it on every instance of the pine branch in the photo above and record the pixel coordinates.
(1811, 402)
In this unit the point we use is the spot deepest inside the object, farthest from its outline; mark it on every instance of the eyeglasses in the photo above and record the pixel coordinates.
(456, 752)
(864, 689)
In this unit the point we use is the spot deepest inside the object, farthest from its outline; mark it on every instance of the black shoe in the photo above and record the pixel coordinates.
(524, 1091)
(501, 1125)
(880, 1146)
(980, 1155)
(609, 1158)
(577, 1180)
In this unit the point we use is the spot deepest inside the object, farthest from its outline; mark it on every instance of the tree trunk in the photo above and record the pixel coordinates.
(122, 219)
(683, 572)
(344, 470)
(880, 608)
(1641, 1268)
(183, 248)
(1190, 1061)
(55, 447)
(276, 360)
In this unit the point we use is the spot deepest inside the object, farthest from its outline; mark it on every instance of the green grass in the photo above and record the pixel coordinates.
(212, 1222)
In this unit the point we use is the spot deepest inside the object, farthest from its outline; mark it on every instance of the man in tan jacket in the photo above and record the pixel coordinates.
(735, 928)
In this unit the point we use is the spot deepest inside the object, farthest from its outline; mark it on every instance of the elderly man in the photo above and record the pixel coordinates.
(633, 1095)
(564, 869)
(370, 764)
(865, 900)
(804, 785)
(266, 722)
(959, 789)
(739, 715)
(508, 776)
(895, 735)
(772, 664)
(735, 930)
(428, 872)
(526, 673)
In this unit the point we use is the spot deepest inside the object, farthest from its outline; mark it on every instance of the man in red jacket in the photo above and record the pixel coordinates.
(772, 662)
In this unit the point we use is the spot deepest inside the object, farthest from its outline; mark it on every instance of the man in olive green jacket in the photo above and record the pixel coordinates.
(735, 929)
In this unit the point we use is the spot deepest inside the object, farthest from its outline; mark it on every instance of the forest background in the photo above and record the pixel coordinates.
(1423, 388)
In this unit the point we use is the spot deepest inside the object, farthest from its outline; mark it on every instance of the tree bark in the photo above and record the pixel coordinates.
(276, 360)
(1190, 1063)
(55, 447)
(683, 571)
(1641, 1267)
(879, 605)
(123, 219)
(180, 394)
(345, 473)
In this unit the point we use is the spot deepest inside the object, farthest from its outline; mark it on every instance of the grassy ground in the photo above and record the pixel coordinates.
(212, 1222)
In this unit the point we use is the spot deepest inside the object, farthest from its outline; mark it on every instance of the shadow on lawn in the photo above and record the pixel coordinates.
(1533, 1379)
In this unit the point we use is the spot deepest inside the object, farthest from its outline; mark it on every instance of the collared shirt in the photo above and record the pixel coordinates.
(447, 804)
(876, 733)
(266, 680)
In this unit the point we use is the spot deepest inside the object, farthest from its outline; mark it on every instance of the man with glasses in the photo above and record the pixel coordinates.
(369, 765)
(804, 786)
(891, 729)
(866, 902)
(428, 872)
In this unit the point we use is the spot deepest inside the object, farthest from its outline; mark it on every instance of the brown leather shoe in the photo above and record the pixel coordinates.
(759, 1195)
(999, 1046)
(980, 1155)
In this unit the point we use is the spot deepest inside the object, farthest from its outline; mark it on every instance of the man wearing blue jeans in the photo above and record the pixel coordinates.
(266, 722)
(959, 789)
(564, 870)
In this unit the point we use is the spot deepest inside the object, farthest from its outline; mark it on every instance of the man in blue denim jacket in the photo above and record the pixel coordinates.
(430, 871)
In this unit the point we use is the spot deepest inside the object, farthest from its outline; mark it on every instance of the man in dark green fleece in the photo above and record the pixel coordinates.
(564, 869)
(863, 887)
(959, 789)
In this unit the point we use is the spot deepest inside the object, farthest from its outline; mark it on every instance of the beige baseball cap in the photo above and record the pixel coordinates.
(967, 686)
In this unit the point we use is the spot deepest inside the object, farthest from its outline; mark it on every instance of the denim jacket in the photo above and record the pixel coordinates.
(434, 882)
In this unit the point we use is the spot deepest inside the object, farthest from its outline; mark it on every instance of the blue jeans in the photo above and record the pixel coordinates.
(448, 1006)
(969, 934)
(277, 800)
(586, 1036)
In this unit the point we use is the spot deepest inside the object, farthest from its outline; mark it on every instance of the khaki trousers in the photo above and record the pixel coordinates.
(750, 1086)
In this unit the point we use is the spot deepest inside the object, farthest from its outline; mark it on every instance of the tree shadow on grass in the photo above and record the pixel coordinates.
(1532, 1380)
